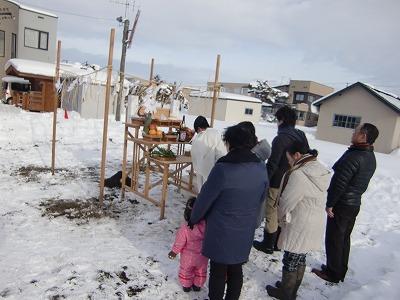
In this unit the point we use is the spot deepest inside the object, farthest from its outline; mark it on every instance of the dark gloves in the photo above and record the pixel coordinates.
(171, 255)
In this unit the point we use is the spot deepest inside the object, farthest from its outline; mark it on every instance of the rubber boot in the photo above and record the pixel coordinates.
(299, 278)
(288, 285)
(267, 244)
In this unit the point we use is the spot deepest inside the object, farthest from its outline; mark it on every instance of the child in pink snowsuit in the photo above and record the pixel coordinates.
(188, 242)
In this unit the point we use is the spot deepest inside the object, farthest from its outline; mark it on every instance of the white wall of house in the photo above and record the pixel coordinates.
(31, 27)
(201, 106)
(360, 103)
(8, 26)
(396, 135)
(24, 18)
(236, 111)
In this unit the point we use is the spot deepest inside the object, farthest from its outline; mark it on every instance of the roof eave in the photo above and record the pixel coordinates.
(373, 93)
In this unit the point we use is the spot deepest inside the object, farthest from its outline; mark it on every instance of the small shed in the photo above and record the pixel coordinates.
(41, 77)
(229, 106)
(83, 87)
(342, 111)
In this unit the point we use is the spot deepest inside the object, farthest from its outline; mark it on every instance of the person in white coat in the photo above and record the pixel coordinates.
(207, 148)
(301, 216)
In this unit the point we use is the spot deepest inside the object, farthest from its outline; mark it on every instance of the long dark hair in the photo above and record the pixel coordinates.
(249, 126)
(302, 148)
(188, 209)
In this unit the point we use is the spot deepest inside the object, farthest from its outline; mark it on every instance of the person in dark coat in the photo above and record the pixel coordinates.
(277, 165)
(353, 172)
(230, 202)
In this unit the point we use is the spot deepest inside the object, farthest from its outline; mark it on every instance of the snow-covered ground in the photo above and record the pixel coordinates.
(124, 255)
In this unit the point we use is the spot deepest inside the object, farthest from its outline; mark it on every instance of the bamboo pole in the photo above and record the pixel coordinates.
(53, 143)
(151, 71)
(106, 109)
(215, 90)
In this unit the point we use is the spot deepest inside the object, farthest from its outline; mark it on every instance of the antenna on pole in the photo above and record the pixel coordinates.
(127, 4)
(133, 28)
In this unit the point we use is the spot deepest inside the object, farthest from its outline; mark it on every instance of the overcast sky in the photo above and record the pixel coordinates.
(334, 42)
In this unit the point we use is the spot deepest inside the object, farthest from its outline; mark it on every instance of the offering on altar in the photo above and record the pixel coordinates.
(162, 153)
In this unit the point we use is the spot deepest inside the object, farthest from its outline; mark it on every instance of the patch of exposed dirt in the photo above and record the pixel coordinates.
(120, 280)
(91, 172)
(31, 173)
(4, 293)
(83, 210)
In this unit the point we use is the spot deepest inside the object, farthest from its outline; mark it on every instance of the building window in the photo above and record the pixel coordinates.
(245, 91)
(44, 40)
(2, 43)
(36, 39)
(299, 97)
(311, 98)
(13, 45)
(346, 121)
(300, 115)
(248, 111)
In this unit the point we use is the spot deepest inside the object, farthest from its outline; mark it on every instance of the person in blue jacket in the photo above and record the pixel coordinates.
(230, 202)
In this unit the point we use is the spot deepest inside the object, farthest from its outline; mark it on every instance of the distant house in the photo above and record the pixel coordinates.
(231, 87)
(229, 106)
(342, 111)
(301, 94)
(26, 33)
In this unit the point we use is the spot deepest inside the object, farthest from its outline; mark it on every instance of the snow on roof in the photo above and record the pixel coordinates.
(39, 68)
(31, 67)
(14, 79)
(25, 7)
(390, 99)
(225, 96)
(266, 104)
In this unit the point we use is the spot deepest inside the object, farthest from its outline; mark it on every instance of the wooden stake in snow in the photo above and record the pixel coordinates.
(106, 109)
(53, 143)
(215, 90)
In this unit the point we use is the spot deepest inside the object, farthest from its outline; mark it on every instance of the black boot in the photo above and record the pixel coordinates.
(267, 244)
(196, 288)
(287, 286)
(299, 278)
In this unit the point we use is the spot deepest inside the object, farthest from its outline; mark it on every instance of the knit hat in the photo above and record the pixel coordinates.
(262, 149)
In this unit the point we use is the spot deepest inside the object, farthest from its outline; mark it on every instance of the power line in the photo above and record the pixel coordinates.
(72, 13)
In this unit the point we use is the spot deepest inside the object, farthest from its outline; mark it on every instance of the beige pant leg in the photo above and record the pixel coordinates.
(199, 182)
(271, 211)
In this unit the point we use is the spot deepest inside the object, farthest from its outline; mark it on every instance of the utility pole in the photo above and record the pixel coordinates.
(122, 70)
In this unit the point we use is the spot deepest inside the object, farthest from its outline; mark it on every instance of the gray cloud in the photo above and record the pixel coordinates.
(323, 40)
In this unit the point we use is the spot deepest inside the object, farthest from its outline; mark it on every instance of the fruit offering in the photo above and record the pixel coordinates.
(153, 130)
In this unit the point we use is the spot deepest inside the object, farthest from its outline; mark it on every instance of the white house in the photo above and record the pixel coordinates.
(26, 33)
(342, 111)
(229, 106)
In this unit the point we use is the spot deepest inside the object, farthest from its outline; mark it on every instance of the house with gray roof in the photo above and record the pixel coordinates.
(340, 112)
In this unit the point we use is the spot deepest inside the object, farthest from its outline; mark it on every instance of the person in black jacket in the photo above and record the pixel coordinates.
(277, 165)
(353, 171)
